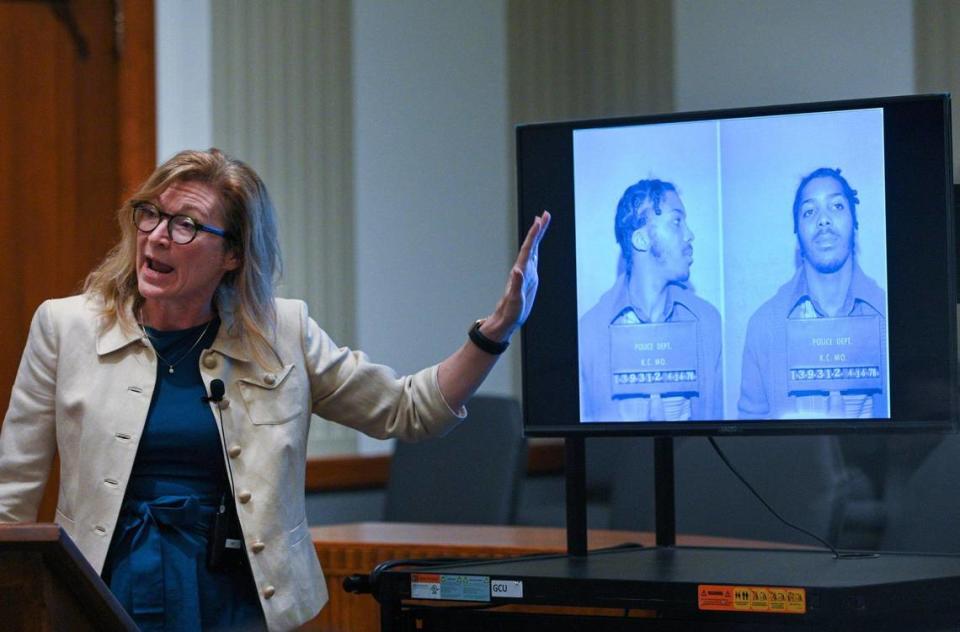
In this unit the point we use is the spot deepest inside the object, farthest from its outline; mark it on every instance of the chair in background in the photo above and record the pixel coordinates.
(543, 501)
(880, 467)
(631, 482)
(470, 476)
(923, 506)
(803, 478)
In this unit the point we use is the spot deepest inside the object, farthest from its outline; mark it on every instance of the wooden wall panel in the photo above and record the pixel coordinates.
(69, 81)
(137, 96)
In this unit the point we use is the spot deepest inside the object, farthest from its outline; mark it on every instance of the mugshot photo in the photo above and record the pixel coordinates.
(649, 280)
(804, 237)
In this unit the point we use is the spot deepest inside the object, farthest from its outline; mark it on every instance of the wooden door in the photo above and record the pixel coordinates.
(77, 133)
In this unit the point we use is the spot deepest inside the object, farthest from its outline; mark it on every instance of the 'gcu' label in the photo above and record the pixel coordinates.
(506, 588)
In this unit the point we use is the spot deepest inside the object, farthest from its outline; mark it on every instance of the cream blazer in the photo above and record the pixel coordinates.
(85, 391)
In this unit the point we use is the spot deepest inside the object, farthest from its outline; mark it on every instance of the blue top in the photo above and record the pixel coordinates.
(180, 443)
(156, 565)
(597, 401)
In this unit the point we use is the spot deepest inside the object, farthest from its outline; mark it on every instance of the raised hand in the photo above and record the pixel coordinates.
(460, 375)
(514, 306)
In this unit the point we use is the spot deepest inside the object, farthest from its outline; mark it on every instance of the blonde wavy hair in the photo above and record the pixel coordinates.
(245, 296)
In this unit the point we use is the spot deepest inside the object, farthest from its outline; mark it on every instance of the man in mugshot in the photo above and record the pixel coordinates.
(818, 347)
(650, 348)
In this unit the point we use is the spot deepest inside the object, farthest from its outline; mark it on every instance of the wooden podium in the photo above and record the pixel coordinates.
(46, 584)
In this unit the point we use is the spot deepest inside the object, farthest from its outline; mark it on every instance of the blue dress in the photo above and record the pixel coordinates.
(156, 564)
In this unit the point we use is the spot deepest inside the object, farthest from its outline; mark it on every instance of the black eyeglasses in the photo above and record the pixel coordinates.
(182, 229)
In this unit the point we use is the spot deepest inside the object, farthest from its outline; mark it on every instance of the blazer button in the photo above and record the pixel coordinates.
(270, 379)
(210, 361)
(268, 592)
(224, 403)
(256, 547)
(244, 497)
(234, 451)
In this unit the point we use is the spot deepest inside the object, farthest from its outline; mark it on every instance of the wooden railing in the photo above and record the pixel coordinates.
(359, 471)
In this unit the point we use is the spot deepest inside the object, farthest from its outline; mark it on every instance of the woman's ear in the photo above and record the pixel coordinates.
(231, 260)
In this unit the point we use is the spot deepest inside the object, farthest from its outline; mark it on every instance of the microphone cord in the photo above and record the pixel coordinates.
(222, 431)
(223, 439)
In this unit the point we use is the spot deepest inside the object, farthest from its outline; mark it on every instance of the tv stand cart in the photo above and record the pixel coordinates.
(667, 587)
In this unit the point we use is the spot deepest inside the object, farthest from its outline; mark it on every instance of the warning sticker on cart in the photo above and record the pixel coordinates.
(772, 599)
(449, 587)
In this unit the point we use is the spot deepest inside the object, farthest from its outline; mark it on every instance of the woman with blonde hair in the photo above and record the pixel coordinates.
(178, 391)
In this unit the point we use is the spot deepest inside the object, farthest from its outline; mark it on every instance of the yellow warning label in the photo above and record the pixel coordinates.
(780, 600)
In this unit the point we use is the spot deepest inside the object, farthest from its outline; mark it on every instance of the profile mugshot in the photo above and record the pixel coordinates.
(650, 348)
(817, 348)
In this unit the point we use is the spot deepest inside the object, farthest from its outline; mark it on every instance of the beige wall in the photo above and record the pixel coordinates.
(938, 57)
(424, 144)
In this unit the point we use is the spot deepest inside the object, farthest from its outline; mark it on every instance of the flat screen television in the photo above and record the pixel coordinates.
(782, 269)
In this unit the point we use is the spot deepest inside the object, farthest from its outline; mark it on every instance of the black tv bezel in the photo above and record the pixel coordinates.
(549, 357)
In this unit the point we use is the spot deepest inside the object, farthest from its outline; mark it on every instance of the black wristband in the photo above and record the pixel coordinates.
(490, 346)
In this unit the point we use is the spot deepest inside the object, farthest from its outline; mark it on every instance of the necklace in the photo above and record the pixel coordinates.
(185, 353)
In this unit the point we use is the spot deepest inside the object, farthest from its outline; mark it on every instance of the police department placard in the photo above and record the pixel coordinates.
(651, 358)
(835, 354)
